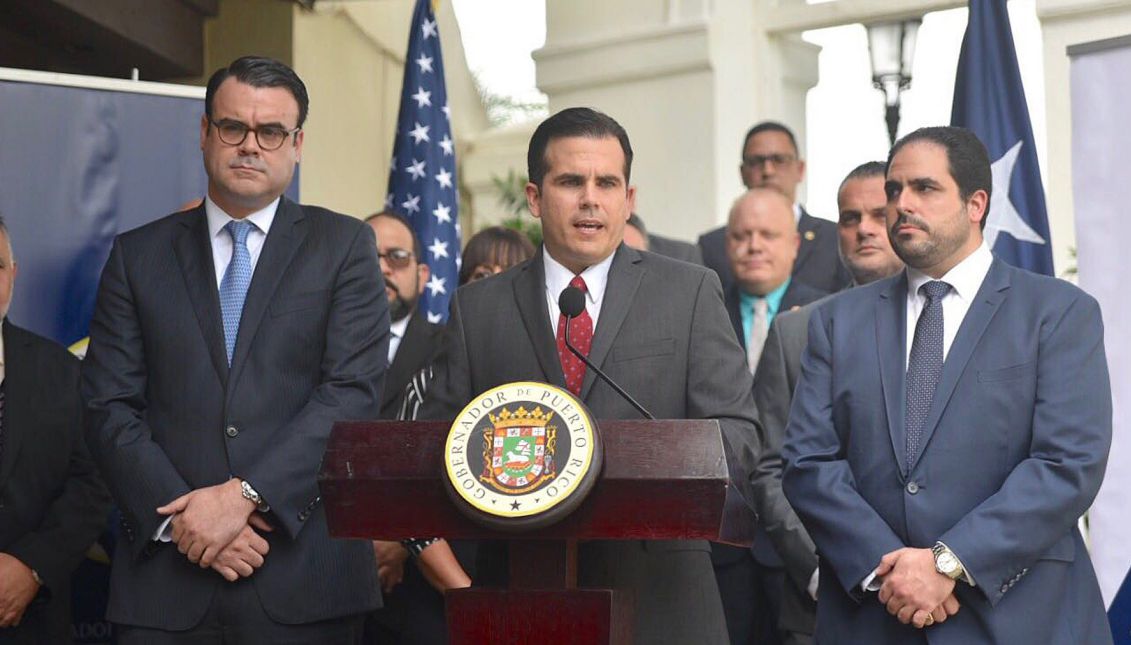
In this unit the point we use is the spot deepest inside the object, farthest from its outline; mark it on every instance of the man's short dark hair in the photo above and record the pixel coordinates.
(417, 249)
(865, 170)
(258, 71)
(966, 156)
(636, 222)
(573, 122)
(769, 126)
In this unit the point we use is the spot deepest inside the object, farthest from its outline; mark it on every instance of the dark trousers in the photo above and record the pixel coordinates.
(751, 595)
(236, 617)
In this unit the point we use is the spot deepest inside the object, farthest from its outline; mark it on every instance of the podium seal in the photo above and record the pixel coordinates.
(522, 456)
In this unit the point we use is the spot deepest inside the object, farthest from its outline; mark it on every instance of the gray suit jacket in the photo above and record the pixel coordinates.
(1012, 453)
(167, 415)
(664, 336)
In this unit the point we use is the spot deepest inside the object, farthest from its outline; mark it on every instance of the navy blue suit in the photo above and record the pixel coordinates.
(1012, 453)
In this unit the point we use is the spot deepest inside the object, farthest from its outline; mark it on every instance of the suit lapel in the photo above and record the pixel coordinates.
(985, 304)
(194, 253)
(288, 230)
(733, 302)
(624, 278)
(409, 353)
(530, 298)
(19, 392)
(806, 224)
(891, 338)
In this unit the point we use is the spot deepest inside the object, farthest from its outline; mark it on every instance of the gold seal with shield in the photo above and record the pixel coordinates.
(522, 456)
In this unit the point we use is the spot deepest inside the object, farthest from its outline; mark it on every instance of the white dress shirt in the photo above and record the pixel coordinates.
(222, 241)
(964, 279)
(396, 331)
(558, 277)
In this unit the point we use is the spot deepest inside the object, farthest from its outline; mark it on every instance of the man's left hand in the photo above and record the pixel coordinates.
(207, 519)
(912, 584)
(17, 589)
(390, 563)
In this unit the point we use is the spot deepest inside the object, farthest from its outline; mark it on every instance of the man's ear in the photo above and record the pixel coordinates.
(422, 275)
(977, 206)
(532, 195)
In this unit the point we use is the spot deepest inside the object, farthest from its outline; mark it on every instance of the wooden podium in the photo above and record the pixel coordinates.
(661, 480)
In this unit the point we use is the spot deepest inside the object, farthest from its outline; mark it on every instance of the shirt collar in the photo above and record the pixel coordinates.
(797, 210)
(965, 278)
(773, 298)
(398, 328)
(218, 219)
(558, 277)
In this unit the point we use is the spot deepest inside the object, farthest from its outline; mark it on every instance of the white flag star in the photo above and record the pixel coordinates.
(425, 63)
(443, 213)
(459, 263)
(447, 111)
(435, 319)
(436, 285)
(438, 249)
(446, 145)
(419, 133)
(444, 179)
(1003, 217)
(429, 28)
(458, 230)
(389, 200)
(416, 169)
(412, 205)
(422, 98)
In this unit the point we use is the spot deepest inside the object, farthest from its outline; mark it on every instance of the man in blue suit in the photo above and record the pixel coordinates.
(950, 426)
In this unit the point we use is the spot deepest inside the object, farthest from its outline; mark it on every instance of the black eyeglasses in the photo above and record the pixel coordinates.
(397, 258)
(269, 137)
(757, 161)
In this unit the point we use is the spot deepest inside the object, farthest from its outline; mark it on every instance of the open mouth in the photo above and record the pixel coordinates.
(588, 226)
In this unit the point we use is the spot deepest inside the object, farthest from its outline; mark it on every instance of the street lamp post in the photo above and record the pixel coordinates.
(892, 49)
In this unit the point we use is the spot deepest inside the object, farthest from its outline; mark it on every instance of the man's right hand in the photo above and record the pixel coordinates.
(244, 554)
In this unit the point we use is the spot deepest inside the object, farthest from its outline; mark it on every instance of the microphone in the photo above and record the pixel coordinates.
(572, 303)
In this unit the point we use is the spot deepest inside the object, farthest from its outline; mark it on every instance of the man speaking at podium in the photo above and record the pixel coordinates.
(656, 326)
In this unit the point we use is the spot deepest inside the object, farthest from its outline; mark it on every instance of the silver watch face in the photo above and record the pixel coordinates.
(946, 562)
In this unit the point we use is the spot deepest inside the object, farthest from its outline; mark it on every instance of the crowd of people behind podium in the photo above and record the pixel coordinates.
(894, 395)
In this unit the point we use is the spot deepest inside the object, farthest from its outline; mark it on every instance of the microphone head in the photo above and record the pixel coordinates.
(571, 302)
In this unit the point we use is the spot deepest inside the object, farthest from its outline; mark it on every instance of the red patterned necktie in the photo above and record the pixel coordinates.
(581, 337)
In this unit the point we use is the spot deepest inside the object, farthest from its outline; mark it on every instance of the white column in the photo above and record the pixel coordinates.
(686, 78)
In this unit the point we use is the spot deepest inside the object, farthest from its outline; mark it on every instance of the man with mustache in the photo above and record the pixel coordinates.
(656, 326)
(950, 426)
(226, 341)
(866, 252)
(762, 243)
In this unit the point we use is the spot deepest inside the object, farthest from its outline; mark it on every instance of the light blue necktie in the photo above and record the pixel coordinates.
(924, 366)
(233, 287)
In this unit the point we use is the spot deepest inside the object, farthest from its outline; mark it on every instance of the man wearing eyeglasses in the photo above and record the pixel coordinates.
(226, 341)
(770, 159)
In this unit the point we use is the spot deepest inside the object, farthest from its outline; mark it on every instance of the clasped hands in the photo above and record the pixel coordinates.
(913, 590)
(216, 527)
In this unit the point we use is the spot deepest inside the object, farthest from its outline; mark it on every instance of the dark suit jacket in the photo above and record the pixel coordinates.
(818, 260)
(166, 415)
(675, 249)
(53, 505)
(417, 350)
(659, 317)
(1013, 452)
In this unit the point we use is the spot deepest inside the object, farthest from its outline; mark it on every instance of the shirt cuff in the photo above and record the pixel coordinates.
(813, 581)
(164, 533)
(871, 583)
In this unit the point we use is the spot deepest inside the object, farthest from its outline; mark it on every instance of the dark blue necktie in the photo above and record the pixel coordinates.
(233, 287)
(924, 365)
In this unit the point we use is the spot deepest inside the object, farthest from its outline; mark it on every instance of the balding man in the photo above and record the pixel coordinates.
(762, 243)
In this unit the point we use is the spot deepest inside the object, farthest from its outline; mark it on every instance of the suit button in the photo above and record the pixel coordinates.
(912, 487)
(232, 431)
(1004, 588)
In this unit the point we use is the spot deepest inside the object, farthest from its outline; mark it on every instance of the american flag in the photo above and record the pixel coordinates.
(422, 174)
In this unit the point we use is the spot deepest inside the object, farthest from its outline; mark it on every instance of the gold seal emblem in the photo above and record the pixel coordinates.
(521, 455)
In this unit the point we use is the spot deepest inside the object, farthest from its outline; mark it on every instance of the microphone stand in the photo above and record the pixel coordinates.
(584, 359)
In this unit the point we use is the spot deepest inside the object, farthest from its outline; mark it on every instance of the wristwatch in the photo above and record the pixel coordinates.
(947, 563)
(254, 497)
